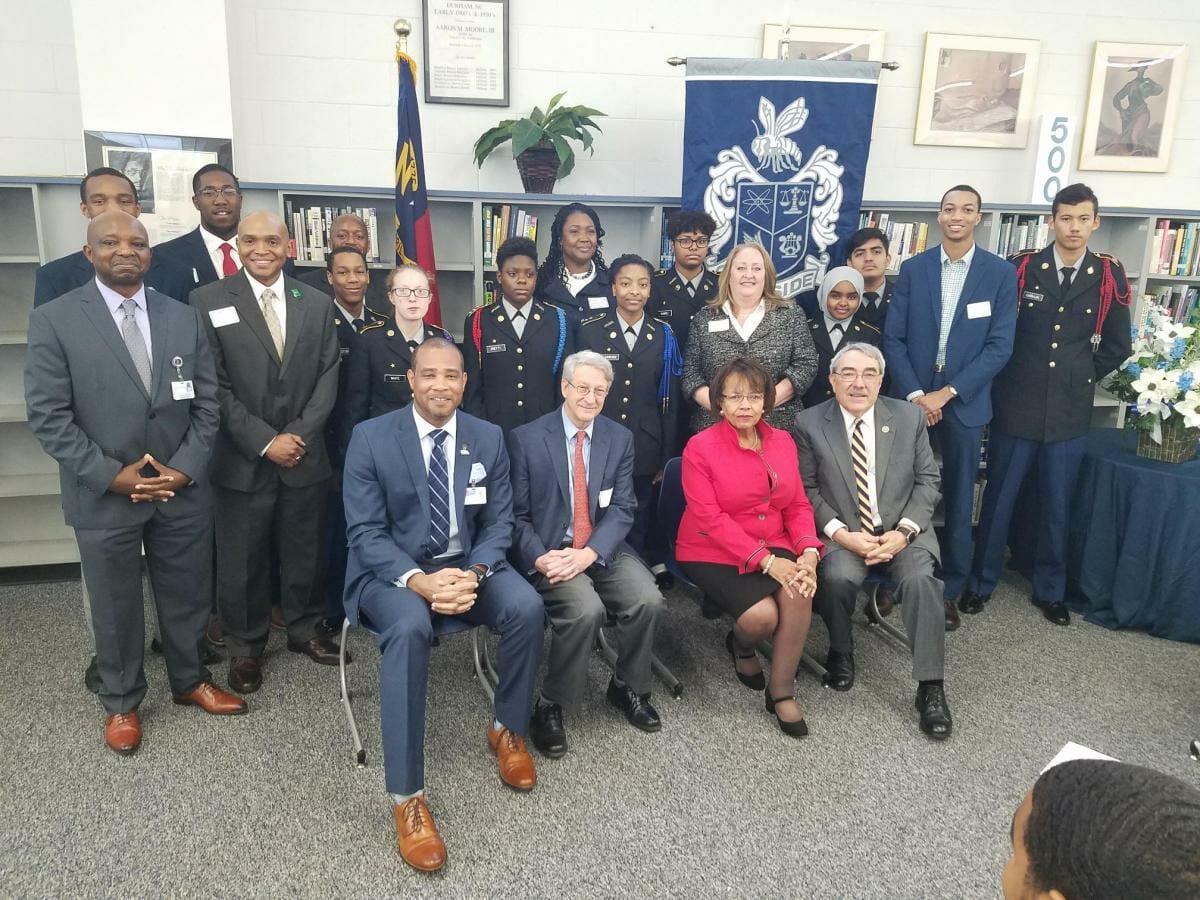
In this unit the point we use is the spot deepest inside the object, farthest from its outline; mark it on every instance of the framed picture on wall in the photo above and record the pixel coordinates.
(1132, 106)
(976, 91)
(805, 42)
(466, 51)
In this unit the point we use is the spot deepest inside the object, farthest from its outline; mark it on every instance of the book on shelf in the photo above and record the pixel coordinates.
(905, 239)
(501, 222)
(1179, 301)
(309, 229)
(1175, 249)
(1018, 232)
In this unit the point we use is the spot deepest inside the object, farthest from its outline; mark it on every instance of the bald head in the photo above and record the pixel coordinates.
(119, 250)
(349, 230)
(262, 244)
(114, 220)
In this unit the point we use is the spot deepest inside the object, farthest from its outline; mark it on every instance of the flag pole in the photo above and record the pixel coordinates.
(403, 29)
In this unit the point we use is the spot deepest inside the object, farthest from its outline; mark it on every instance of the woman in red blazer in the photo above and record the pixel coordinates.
(747, 537)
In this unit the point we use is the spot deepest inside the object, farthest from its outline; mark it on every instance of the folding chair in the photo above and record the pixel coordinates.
(482, 667)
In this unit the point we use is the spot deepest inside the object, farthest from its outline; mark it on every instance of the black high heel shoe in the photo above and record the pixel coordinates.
(755, 682)
(797, 729)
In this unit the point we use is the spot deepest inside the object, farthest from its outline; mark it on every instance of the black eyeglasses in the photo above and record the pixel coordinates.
(688, 243)
(212, 193)
(403, 293)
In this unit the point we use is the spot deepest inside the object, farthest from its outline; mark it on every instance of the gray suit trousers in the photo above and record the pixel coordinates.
(178, 554)
(918, 592)
(576, 609)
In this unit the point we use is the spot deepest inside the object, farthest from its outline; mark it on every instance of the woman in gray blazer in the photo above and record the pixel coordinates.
(749, 318)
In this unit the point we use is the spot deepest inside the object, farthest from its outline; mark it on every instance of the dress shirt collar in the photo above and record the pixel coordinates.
(424, 429)
(1059, 264)
(213, 243)
(694, 282)
(258, 287)
(570, 428)
(868, 419)
(362, 316)
(636, 326)
(830, 321)
(966, 257)
(514, 310)
(114, 300)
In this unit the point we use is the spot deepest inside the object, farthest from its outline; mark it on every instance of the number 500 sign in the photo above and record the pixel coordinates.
(1053, 171)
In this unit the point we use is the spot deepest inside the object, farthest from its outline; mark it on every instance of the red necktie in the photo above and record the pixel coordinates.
(583, 520)
(229, 265)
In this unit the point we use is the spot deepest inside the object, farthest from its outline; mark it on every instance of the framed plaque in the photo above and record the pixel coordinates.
(466, 51)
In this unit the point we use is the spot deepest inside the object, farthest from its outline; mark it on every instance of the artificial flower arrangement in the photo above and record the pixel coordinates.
(1161, 379)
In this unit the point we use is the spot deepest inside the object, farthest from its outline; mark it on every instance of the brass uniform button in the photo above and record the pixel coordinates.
(522, 402)
(519, 385)
(520, 350)
(1052, 364)
(520, 368)
(1057, 327)
(1053, 346)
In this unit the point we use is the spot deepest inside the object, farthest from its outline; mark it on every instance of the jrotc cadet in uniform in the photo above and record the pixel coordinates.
(515, 349)
(841, 320)
(679, 292)
(1072, 330)
(346, 278)
(646, 365)
(349, 230)
(377, 375)
(869, 251)
(574, 277)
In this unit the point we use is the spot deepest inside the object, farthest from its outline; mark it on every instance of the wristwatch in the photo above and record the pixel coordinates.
(909, 534)
(953, 392)
(480, 570)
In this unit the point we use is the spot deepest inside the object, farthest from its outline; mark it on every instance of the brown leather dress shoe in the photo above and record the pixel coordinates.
(952, 619)
(245, 674)
(516, 765)
(421, 845)
(320, 650)
(212, 700)
(123, 732)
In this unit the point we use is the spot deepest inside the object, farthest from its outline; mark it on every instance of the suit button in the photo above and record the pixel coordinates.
(1088, 311)
(1053, 346)
(624, 399)
(623, 417)
(522, 402)
(1063, 309)
(520, 350)
(1058, 328)
(1052, 364)
(761, 516)
(628, 382)
(629, 365)
(519, 385)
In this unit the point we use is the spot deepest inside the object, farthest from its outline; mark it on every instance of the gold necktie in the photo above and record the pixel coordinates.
(268, 305)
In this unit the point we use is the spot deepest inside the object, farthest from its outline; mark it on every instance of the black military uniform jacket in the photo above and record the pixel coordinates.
(877, 315)
(670, 300)
(511, 382)
(584, 304)
(349, 342)
(1047, 389)
(858, 330)
(633, 400)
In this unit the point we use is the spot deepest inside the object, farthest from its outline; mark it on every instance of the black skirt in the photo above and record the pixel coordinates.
(733, 591)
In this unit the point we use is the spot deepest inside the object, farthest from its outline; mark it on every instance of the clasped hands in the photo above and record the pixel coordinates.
(874, 549)
(563, 565)
(157, 489)
(931, 404)
(286, 449)
(448, 591)
(799, 579)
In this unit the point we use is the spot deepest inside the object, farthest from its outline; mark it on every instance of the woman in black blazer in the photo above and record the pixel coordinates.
(574, 277)
(748, 318)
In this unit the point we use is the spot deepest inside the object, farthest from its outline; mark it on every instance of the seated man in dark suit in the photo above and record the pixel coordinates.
(570, 542)
(429, 510)
(349, 230)
(103, 189)
(871, 478)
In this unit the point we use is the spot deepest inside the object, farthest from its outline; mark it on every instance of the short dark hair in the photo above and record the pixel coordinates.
(963, 187)
(863, 235)
(628, 259)
(344, 248)
(104, 170)
(684, 220)
(516, 246)
(1107, 830)
(212, 167)
(1073, 194)
(434, 343)
(753, 371)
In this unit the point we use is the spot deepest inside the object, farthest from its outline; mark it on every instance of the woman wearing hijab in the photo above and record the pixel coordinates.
(841, 321)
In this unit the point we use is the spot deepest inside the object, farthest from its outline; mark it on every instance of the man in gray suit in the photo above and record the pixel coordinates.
(121, 392)
(873, 483)
(276, 352)
(573, 500)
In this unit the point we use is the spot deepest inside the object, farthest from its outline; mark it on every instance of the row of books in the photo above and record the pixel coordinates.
(309, 228)
(1179, 301)
(502, 222)
(905, 239)
(1176, 248)
(1022, 233)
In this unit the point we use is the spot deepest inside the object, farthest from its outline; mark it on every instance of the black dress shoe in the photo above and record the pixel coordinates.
(952, 620)
(91, 677)
(885, 600)
(156, 645)
(330, 626)
(665, 580)
(1054, 612)
(245, 674)
(546, 729)
(320, 650)
(636, 706)
(756, 682)
(839, 673)
(972, 603)
(797, 729)
(935, 712)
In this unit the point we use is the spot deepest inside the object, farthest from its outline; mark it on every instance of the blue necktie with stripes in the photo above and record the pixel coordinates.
(439, 496)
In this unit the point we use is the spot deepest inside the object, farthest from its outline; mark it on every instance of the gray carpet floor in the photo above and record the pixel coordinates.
(720, 803)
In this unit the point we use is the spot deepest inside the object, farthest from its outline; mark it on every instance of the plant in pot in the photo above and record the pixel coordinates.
(539, 142)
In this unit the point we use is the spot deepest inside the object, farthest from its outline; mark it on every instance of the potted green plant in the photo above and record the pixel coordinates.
(539, 142)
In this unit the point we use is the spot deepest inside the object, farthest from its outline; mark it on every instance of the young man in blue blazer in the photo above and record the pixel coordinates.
(949, 332)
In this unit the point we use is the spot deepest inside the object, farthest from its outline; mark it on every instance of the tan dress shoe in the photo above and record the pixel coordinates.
(421, 845)
(516, 765)
(212, 700)
(123, 732)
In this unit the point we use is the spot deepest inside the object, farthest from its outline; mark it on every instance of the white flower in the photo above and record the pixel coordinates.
(1156, 385)
(1169, 331)
(1189, 408)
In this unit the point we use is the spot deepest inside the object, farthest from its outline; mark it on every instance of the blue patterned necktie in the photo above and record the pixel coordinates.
(439, 496)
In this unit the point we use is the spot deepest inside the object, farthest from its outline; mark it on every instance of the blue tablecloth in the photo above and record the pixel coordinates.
(1134, 552)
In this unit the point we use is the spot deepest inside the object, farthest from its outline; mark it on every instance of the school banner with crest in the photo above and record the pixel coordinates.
(776, 152)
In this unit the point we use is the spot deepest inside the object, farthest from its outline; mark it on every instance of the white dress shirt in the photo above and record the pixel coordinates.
(212, 244)
(1059, 265)
(830, 323)
(114, 301)
(518, 316)
(280, 304)
(631, 339)
(954, 277)
(425, 431)
(745, 329)
(572, 430)
(576, 283)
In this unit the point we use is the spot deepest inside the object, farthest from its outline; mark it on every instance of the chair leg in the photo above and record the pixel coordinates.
(484, 672)
(875, 620)
(806, 659)
(360, 753)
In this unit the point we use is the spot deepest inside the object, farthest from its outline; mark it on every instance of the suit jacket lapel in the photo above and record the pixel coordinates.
(821, 337)
(1081, 281)
(410, 452)
(204, 263)
(96, 310)
(159, 338)
(839, 444)
(297, 309)
(884, 435)
(556, 446)
(465, 439)
(249, 311)
(596, 462)
(974, 273)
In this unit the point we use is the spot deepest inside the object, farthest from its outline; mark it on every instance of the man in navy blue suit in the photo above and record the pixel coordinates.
(574, 502)
(429, 516)
(949, 332)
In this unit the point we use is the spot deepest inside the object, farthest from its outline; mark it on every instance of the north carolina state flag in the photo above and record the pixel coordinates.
(414, 235)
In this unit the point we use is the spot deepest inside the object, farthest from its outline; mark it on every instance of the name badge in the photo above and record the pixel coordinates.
(665, 313)
(389, 379)
(475, 496)
(981, 309)
(1033, 296)
(611, 356)
(182, 390)
(496, 348)
(597, 303)
(605, 497)
(718, 325)
(343, 352)
(478, 473)
(226, 315)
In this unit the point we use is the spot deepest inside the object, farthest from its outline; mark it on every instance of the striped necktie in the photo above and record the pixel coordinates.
(439, 496)
(581, 525)
(858, 453)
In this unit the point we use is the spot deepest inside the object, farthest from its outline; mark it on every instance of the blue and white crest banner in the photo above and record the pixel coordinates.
(776, 152)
